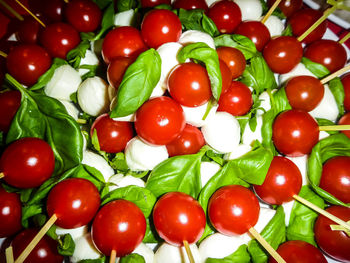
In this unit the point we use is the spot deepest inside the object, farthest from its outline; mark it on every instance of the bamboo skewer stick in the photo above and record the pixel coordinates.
(335, 128)
(9, 255)
(29, 12)
(2, 175)
(268, 14)
(335, 74)
(344, 39)
(11, 10)
(3, 54)
(188, 251)
(113, 256)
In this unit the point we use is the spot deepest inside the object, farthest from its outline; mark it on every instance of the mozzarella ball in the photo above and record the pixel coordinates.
(119, 180)
(141, 156)
(287, 207)
(239, 151)
(84, 249)
(195, 36)
(124, 18)
(250, 9)
(63, 83)
(208, 170)
(145, 252)
(99, 163)
(72, 110)
(299, 70)
(265, 216)
(89, 59)
(74, 232)
(194, 115)
(322, 135)
(250, 136)
(301, 163)
(265, 103)
(172, 254)
(210, 2)
(274, 25)
(130, 117)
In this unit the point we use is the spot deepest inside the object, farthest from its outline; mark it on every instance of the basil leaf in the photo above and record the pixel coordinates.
(209, 26)
(266, 130)
(287, 31)
(337, 89)
(30, 211)
(132, 258)
(280, 100)
(107, 20)
(151, 235)
(202, 52)
(75, 55)
(102, 4)
(277, 12)
(90, 173)
(66, 245)
(240, 255)
(302, 218)
(325, 122)
(125, 5)
(138, 83)
(242, 43)
(317, 69)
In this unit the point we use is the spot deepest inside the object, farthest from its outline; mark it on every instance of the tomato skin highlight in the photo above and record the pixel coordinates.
(234, 60)
(190, 4)
(287, 7)
(345, 120)
(152, 3)
(10, 213)
(116, 70)
(28, 31)
(226, 76)
(10, 101)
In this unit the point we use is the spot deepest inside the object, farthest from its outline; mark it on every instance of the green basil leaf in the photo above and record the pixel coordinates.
(125, 5)
(151, 235)
(317, 69)
(209, 26)
(240, 255)
(107, 20)
(266, 130)
(102, 4)
(138, 83)
(287, 31)
(242, 43)
(337, 89)
(119, 163)
(211, 155)
(75, 55)
(325, 122)
(132, 258)
(277, 12)
(66, 245)
(90, 173)
(280, 100)
(30, 211)
(98, 260)
(202, 52)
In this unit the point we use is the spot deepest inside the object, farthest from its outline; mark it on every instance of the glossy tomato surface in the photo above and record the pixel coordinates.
(190, 4)
(178, 217)
(119, 225)
(345, 79)
(226, 76)
(234, 59)
(226, 15)
(10, 213)
(74, 201)
(28, 31)
(53, 10)
(345, 120)
(288, 7)
(10, 101)
(116, 70)
(152, 3)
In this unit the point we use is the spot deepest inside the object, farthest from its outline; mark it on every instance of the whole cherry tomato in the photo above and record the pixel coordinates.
(234, 59)
(294, 133)
(28, 31)
(237, 100)
(190, 4)
(327, 52)
(334, 243)
(59, 39)
(160, 26)
(226, 76)
(189, 84)
(44, 251)
(35, 61)
(53, 10)
(116, 70)
(4, 21)
(282, 181)
(288, 7)
(233, 210)
(283, 53)
(178, 217)
(125, 41)
(152, 3)
(345, 120)
(304, 92)
(190, 141)
(335, 177)
(159, 120)
(74, 201)
(297, 251)
(119, 225)
(226, 15)
(255, 31)
(27, 162)
(345, 79)
(10, 213)
(10, 101)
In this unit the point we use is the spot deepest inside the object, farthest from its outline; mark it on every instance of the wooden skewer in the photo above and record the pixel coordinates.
(81, 121)
(11, 10)
(188, 251)
(29, 12)
(268, 14)
(9, 255)
(2, 175)
(113, 256)
(266, 245)
(334, 128)
(3, 54)
(335, 74)
(344, 39)
(66, 1)
(340, 228)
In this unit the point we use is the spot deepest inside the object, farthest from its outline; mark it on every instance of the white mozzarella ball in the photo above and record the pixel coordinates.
(172, 254)
(152, 246)
(130, 117)
(210, 2)
(89, 59)
(250, 136)
(72, 110)
(287, 207)
(63, 83)
(145, 252)
(99, 163)
(250, 9)
(141, 156)
(299, 70)
(208, 170)
(195, 36)
(322, 135)
(194, 115)
(274, 25)
(124, 18)
(222, 132)
(93, 96)
(301, 163)
(119, 180)
(265, 103)
(84, 249)
(74, 232)
(239, 151)
(265, 216)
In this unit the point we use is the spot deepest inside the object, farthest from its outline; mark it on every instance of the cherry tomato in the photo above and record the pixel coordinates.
(190, 4)
(190, 141)
(233, 210)
(44, 251)
(152, 3)
(116, 70)
(178, 217)
(335, 177)
(27, 162)
(226, 15)
(35, 61)
(237, 100)
(28, 31)
(327, 52)
(298, 251)
(59, 39)
(189, 84)
(10, 101)
(305, 18)
(74, 201)
(288, 7)
(15, 7)
(159, 120)
(283, 53)
(119, 225)
(334, 243)
(294, 133)
(10, 213)
(226, 76)
(345, 79)
(283, 180)
(345, 120)
(83, 15)
(159, 27)
(234, 59)
(112, 135)
(124, 41)
(4, 21)
(304, 92)
(53, 10)
(255, 31)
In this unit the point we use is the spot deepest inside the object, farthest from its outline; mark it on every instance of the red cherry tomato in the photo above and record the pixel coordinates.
(237, 100)
(124, 41)
(178, 217)
(288, 7)
(190, 4)
(255, 31)
(120, 226)
(152, 3)
(346, 84)
(283, 53)
(116, 70)
(4, 21)
(335, 177)
(159, 27)
(345, 120)
(28, 31)
(226, 76)
(226, 15)
(298, 251)
(159, 120)
(10, 101)
(234, 59)
(327, 52)
(112, 135)
(14, 6)
(44, 251)
(53, 10)
(83, 15)
(334, 243)
(190, 141)
(283, 180)
(74, 201)
(59, 38)
(304, 92)
(294, 133)
(233, 210)
(27, 162)
(10, 213)
(189, 84)
(35, 61)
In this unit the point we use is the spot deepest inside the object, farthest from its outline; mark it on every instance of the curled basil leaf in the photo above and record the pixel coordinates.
(132, 258)
(337, 89)
(107, 20)
(242, 43)
(317, 69)
(66, 245)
